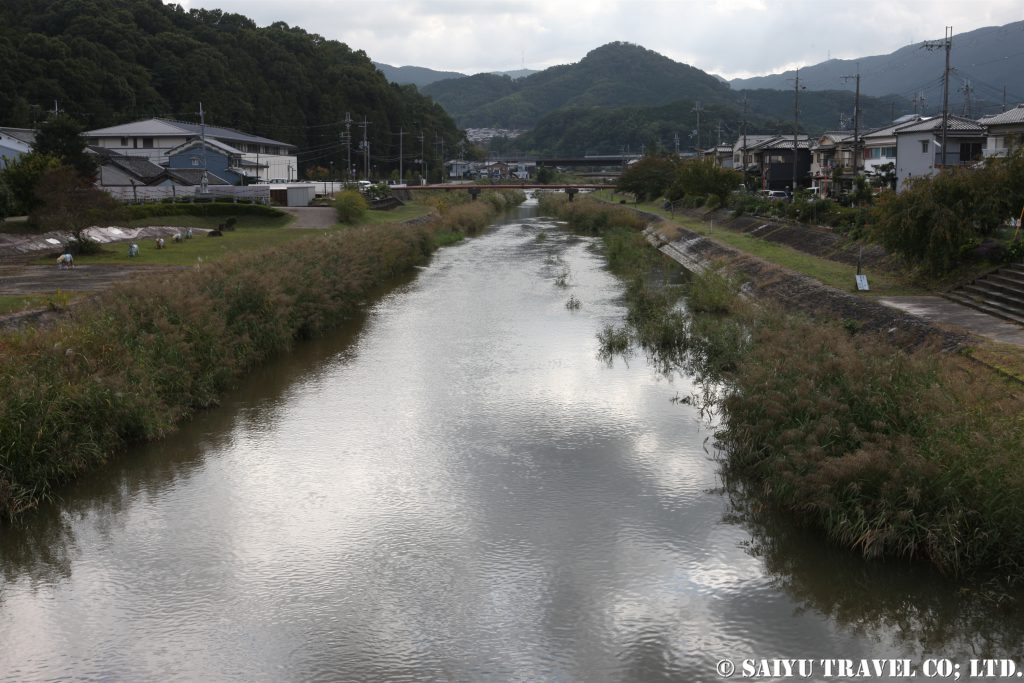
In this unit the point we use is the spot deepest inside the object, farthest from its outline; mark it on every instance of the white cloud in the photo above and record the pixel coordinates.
(728, 37)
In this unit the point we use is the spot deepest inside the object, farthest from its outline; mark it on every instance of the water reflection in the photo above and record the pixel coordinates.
(454, 488)
(910, 606)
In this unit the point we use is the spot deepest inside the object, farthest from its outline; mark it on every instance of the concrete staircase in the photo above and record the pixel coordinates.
(1000, 293)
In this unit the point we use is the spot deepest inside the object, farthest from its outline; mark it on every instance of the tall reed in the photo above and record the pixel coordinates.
(144, 355)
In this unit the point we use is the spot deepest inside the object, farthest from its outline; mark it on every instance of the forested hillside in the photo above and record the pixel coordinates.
(614, 75)
(623, 96)
(110, 61)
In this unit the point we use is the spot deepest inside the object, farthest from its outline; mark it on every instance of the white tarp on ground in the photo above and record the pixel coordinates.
(28, 245)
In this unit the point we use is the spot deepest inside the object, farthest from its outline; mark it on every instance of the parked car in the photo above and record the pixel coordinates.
(777, 195)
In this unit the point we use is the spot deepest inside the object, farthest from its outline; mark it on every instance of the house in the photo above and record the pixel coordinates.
(721, 154)
(919, 146)
(880, 144)
(832, 161)
(217, 158)
(459, 168)
(495, 170)
(1005, 131)
(119, 170)
(14, 142)
(773, 161)
(742, 158)
(155, 138)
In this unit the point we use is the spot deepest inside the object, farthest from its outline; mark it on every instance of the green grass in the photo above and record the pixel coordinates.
(15, 304)
(832, 273)
(200, 247)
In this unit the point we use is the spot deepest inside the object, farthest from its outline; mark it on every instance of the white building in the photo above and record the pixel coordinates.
(919, 146)
(1005, 131)
(155, 138)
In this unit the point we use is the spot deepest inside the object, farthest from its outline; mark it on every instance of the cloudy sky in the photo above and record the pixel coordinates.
(733, 38)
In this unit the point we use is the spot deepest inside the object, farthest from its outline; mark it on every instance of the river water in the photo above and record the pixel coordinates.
(454, 488)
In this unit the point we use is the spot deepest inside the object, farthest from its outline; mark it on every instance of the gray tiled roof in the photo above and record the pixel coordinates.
(955, 124)
(166, 127)
(1015, 115)
(140, 168)
(194, 176)
(26, 135)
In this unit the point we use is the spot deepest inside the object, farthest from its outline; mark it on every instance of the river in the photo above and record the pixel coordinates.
(453, 488)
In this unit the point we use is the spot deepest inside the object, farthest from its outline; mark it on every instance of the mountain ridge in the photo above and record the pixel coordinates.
(912, 69)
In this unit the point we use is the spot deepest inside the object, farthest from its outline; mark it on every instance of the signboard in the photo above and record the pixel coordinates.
(862, 283)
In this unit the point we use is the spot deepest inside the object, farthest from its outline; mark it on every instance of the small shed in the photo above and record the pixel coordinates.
(292, 194)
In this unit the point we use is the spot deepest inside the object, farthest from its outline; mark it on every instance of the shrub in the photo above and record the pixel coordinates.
(350, 206)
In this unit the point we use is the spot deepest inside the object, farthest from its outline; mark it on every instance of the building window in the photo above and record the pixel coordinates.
(889, 152)
(970, 151)
(124, 142)
(147, 143)
(924, 146)
(195, 161)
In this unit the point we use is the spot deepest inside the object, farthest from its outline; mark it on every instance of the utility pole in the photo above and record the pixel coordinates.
(856, 118)
(677, 135)
(440, 140)
(946, 44)
(204, 180)
(743, 148)
(401, 172)
(796, 124)
(967, 90)
(423, 160)
(366, 150)
(348, 146)
(919, 102)
(698, 108)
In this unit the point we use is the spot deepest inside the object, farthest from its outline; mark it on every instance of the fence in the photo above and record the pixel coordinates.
(141, 195)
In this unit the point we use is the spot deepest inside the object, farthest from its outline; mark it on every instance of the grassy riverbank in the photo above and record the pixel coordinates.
(892, 453)
(139, 358)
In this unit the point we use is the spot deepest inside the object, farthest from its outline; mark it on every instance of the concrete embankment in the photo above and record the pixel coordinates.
(763, 280)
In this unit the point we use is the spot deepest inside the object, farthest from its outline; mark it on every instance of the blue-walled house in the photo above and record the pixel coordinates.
(221, 160)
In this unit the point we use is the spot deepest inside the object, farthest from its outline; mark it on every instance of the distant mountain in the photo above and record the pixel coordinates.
(421, 76)
(614, 75)
(415, 75)
(518, 73)
(988, 58)
(623, 95)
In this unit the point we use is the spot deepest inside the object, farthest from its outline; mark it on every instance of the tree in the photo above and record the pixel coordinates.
(703, 177)
(68, 202)
(649, 177)
(5, 201)
(935, 218)
(61, 137)
(21, 177)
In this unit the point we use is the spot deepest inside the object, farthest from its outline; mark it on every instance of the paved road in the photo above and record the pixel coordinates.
(311, 216)
(941, 311)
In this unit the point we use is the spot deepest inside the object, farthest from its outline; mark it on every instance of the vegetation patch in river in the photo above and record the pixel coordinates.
(915, 454)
